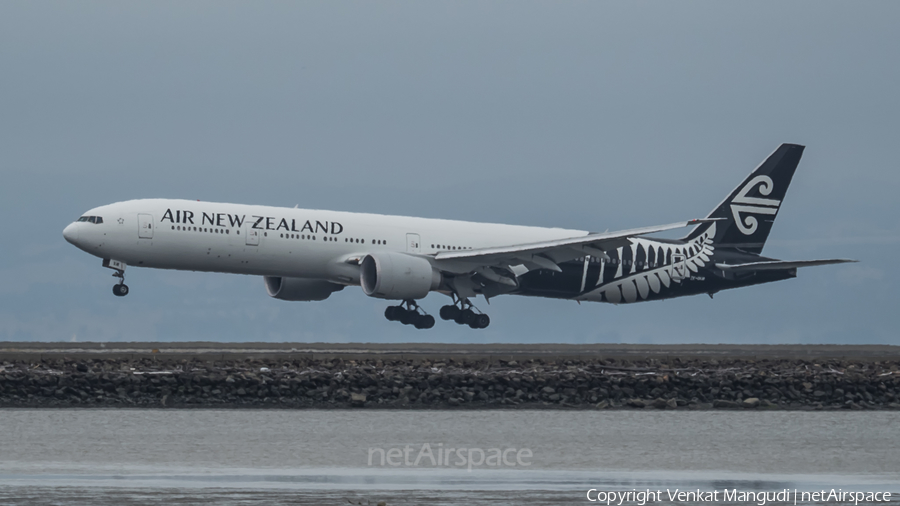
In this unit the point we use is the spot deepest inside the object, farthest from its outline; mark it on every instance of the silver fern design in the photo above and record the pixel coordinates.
(639, 284)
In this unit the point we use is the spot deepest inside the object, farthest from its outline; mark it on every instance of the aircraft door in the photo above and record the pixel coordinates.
(145, 226)
(679, 271)
(413, 245)
(252, 236)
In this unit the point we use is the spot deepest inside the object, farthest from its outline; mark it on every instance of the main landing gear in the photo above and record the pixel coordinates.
(464, 313)
(461, 311)
(409, 315)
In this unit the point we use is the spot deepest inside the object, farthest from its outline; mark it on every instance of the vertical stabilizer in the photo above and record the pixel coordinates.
(746, 216)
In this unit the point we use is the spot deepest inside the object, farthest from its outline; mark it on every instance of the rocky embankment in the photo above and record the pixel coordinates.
(420, 383)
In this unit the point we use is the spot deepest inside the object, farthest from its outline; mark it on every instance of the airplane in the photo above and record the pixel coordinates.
(306, 255)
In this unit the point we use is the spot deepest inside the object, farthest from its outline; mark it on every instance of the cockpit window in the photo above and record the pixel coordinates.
(91, 219)
(83, 218)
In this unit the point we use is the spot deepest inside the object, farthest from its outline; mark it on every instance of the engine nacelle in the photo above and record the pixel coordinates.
(389, 275)
(300, 289)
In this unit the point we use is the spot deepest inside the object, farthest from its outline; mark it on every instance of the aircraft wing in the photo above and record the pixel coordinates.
(545, 254)
(777, 265)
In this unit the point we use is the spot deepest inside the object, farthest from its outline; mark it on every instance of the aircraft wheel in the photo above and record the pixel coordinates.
(408, 317)
(120, 290)
(391, 313)
(480, 321)
(424, 322)
(449, 312)
(464, 317)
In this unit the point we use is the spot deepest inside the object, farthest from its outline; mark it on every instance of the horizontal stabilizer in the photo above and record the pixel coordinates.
(777, 265)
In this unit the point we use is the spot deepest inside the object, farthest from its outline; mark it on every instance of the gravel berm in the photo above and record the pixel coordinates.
(409, 376)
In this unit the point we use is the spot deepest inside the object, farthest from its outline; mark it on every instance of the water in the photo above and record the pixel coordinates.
(132, 456)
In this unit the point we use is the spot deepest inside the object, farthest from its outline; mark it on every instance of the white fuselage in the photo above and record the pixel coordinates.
(275, 241)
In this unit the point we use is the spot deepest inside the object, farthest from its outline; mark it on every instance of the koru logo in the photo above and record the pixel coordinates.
(753, 205)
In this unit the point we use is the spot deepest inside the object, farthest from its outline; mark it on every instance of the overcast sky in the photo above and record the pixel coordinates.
(589, 115)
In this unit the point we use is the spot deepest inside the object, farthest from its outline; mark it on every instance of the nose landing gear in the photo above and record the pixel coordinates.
(120, 289)
(412, 314)
(464, 313)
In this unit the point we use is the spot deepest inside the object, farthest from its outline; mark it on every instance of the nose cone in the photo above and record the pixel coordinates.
(71, 233)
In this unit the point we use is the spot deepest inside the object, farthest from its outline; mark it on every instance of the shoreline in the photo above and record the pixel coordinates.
(856, 379)
(490, 351)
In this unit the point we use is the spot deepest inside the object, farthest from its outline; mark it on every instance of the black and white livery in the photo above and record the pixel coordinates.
(306, 255)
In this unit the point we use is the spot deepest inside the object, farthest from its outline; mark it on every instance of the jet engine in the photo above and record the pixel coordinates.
(300, 289)
(389, 275)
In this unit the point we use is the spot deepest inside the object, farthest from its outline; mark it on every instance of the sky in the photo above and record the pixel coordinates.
(573, 114)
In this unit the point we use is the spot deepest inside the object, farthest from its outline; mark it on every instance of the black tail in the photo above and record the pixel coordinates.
(745, 218)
